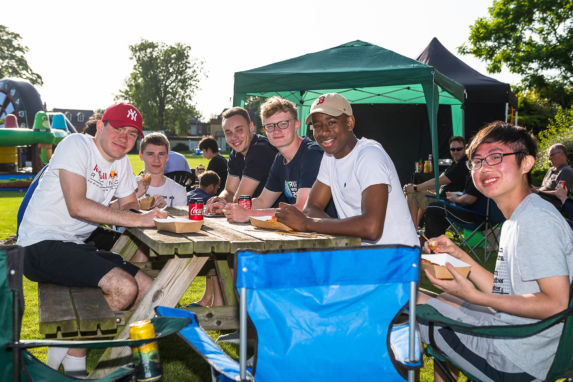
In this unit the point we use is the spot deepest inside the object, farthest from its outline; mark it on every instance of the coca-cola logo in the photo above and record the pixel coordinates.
(196, 211)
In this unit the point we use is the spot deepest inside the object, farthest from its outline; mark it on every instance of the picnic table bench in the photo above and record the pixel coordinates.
(73, 312)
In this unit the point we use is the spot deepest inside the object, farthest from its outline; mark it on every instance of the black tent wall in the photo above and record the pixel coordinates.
(403, 130)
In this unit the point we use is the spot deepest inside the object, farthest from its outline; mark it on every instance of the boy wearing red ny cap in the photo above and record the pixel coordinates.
(71, 200)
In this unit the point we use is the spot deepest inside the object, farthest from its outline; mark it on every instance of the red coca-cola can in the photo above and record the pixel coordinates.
(196, 209)
(245, 201)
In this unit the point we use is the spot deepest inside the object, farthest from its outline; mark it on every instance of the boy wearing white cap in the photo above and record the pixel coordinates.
(359, 176)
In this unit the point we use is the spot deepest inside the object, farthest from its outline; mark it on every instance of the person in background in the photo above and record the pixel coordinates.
(471, 199)
(176, 162)
(294, 169)
(532, 274)
(71, 200)
(249, 162)
(90, 127)
(210, 150)
(154, 152)
(451, 180)
(208, 185)
(359, 176)
(558, 172)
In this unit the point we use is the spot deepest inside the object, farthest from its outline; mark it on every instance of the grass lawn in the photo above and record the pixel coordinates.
(179, 361)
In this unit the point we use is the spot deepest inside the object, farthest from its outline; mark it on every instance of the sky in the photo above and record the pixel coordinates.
(81, 47)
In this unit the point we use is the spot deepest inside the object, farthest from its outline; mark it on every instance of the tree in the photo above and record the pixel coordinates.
(533, 39)
(162, 85)
(12, 60)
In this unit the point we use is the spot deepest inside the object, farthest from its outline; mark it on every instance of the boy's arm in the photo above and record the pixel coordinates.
(80, 207)
(552, 298)
(368, 225)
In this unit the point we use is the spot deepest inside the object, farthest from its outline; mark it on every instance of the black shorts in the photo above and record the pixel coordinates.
(71, 264)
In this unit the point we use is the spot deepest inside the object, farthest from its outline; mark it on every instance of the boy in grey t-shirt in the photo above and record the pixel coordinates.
(533, 272)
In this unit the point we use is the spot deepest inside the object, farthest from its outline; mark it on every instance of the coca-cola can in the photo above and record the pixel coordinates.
(196, 209)
(245, 202)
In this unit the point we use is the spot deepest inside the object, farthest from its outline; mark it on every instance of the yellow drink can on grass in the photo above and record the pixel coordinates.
(145, 357)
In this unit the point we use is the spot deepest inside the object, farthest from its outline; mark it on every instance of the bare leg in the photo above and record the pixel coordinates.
(143, 283)
(207, 299)
(140, 256)
(120, 289)
(413, 208)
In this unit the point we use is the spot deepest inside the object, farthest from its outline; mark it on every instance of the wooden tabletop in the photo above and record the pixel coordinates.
(219, 236)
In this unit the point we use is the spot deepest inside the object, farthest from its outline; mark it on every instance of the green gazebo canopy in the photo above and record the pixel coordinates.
(363, 73)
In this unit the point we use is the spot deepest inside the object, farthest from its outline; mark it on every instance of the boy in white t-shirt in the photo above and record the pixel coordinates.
(71, 200)
(359, 176)
(154, 152)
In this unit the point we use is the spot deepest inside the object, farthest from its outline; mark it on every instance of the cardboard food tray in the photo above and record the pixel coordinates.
(146, 203)
(267, 223)
(178, 225)
(437, 266)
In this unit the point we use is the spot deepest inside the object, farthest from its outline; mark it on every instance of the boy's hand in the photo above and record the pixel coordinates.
(459, 286)
(236, 213)
(291, 216)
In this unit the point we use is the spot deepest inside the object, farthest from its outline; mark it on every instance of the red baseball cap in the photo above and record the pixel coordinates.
(124, 114)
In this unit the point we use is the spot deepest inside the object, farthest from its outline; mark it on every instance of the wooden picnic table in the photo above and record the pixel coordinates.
(187, 255)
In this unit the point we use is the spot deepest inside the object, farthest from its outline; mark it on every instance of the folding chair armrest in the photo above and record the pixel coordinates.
(427, 314)
(457, 207)
(203, 345)
(164, 326)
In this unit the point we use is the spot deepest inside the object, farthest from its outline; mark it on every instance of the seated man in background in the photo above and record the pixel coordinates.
(470, 198)
(566, 204)
(359, 176)
(532, 275)
(153, 152)
(558, 172)
(453, 179)
(210, 150)
(249, 162)
(71, 200)
(208, 185)
(294, 169)
(176, 162)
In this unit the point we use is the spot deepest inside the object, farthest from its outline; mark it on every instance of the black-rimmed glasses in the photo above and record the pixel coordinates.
(491, 159)
(452, 149)
(270, 127)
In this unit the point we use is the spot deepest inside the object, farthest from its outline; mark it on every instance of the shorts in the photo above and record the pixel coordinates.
(475, 355)
(71, 264)
(421, 199)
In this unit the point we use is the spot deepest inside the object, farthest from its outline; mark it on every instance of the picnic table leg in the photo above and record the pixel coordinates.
(167, 289)
(126, 246)
(226, 282)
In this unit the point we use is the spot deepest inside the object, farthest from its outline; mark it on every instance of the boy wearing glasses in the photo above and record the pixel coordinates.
(360, 178)
(451, 180)
(294, 168)
(532, 275)
(249, 162)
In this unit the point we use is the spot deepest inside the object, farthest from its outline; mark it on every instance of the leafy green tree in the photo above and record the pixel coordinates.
(533, 39)
(534, 112)
(12, 60)
(162, 85)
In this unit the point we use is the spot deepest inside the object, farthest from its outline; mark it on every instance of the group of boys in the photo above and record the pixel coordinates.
(338, 185)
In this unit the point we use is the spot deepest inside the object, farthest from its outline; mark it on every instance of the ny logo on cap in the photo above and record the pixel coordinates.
(132, 114)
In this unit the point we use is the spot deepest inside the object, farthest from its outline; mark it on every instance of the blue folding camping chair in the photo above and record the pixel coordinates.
(320, 315)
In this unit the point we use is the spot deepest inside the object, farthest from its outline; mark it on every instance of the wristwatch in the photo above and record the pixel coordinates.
(415, 188)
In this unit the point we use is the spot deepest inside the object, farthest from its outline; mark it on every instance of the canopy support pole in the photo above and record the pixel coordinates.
(432, 101)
